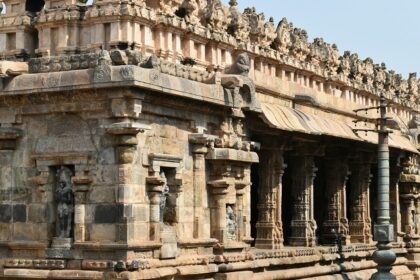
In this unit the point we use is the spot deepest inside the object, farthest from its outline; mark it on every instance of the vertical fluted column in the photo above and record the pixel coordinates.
(360, 221)
(303, 223)
(269, 225)
(336, 178)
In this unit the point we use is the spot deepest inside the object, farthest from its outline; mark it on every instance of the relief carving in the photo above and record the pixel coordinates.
(64, 198)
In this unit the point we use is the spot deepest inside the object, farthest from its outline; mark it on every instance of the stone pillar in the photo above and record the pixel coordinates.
(303, 223)
(336, 220)
(360, 220)
(218, 211)
(395, 200)
(269, 225)
(125, 142)
(81, 186)
(409, 217)
(199, 150)
(155, 190)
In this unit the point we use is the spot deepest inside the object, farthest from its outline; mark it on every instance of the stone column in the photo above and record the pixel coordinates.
(303, 223)
(218, 211)
(336, 220)
(395, 200)
(269, 225)
(360, 220)
(155, 190)
(199, 150)
(199, 181)
(409, 217)
(81, 186)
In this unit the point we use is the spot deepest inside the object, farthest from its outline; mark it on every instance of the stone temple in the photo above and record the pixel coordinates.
(185, 139)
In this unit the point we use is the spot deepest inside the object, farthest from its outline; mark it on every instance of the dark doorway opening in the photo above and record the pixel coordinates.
(287, 200)
(255, 179)
(320, 199)
(373, 193)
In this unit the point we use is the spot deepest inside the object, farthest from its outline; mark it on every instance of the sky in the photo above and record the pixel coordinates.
(385, 30)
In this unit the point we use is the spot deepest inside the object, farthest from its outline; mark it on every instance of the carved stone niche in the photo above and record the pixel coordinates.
(63, 181)
(229, 188)
(8, 138)
(164, 184)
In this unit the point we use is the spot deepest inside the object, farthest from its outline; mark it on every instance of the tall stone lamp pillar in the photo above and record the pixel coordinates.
(383, 228)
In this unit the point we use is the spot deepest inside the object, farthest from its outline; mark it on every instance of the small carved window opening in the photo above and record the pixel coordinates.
(34, 6)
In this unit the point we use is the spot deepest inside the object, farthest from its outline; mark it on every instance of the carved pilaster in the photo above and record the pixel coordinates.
(218, 209)
(394, 196)
(409, 219)
(199, 143)
(155, 190)
(360, 220)
(81, 186)
(336, 219)
(269, 225)
(303, 223)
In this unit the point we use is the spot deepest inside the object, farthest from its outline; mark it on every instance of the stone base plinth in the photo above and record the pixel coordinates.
(64, 243)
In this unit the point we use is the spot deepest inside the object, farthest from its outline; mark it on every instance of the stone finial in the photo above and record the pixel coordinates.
(239, 24)
(216, 16)
(190, 11)
(283, 41)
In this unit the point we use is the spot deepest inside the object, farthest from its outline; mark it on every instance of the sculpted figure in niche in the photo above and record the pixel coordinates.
(64, 198)
(163, 198)
(230, 223)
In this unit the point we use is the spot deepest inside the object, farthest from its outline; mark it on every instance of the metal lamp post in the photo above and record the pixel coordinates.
(383, 231)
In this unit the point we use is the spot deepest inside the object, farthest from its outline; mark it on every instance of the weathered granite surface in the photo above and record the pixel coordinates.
(134, 145)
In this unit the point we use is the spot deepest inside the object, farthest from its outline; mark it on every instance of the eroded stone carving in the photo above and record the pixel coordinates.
(64, 198)
(239, 24)
(230, 223)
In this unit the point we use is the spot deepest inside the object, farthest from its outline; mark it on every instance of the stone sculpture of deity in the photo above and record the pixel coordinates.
(163, 198)
(64, 198)
(230, 223)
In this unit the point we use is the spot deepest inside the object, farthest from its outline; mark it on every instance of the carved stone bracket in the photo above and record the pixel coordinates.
(126, 140)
